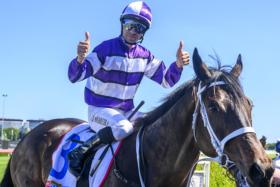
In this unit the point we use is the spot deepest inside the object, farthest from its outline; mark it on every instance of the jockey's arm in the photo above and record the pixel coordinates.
(157, 71)
(84, 66)
(78, 72)
(79, 65)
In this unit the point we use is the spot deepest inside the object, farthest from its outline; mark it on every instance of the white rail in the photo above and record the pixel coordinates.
(201, 178)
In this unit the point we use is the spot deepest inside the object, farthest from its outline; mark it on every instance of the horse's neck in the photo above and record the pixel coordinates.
(169, 142)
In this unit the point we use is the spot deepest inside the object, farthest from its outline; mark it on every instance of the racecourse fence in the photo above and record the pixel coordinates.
(201, 177)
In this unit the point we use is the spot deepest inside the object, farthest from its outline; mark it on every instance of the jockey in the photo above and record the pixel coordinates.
(114, 70)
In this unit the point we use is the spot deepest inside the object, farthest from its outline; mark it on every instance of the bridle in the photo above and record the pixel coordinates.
(218, 145)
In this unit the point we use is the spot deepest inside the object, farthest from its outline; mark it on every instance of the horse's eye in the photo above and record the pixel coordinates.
(213, 107)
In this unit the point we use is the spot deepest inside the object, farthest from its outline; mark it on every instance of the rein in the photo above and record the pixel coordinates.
(218, 145)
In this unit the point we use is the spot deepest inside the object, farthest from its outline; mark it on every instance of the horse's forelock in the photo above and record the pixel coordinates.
(232, 83)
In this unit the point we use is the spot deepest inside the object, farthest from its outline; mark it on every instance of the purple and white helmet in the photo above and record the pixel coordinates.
(139, 11)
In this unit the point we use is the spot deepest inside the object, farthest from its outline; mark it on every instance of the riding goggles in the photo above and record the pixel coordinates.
(138, 27)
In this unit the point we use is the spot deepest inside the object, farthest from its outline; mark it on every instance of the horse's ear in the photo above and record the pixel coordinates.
(237, 69)
(200, 68)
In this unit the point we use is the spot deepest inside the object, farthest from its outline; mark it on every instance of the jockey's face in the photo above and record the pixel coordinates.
(133, 31)
(131, 36)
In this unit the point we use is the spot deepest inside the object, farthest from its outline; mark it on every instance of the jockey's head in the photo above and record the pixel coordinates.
(136, 19)
(277, 146)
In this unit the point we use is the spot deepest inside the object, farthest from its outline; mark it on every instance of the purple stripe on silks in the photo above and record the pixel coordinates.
(110, 48)
(146, 11)
(158, 75)
(173, 74)
(101, 60)
(116, 47)
(119, 77)
(103, 101)
(88, 68)
(140, 52)
(75, 70)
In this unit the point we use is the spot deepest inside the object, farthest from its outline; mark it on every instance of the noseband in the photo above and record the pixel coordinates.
(218, 145)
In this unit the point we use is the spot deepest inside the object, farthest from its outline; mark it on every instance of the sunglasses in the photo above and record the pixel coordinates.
(138, 27)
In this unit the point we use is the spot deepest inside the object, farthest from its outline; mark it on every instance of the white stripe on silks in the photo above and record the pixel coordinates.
(152, 67)
(125, 64)
(82, 77)
(94, 61)
(111, 89)
(164, 82)
(135, 8)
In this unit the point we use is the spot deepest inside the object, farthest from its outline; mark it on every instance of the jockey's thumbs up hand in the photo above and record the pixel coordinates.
(83, 48)
(183, 57)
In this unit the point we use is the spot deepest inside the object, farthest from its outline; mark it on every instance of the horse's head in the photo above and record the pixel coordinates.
(223, 125)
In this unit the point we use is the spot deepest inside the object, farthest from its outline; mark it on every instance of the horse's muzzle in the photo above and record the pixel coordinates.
(260, 176)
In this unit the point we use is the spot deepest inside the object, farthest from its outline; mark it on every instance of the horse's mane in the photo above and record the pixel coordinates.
(166, 103)
(221, 73)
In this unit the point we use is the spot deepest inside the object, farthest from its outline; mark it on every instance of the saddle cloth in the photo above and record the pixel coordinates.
(60, 176)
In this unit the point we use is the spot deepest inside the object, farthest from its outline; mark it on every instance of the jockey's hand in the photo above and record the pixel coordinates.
(183, 57)
(83, 48)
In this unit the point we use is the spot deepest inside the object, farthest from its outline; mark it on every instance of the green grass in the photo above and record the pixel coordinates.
(3, 163)
(219, 177)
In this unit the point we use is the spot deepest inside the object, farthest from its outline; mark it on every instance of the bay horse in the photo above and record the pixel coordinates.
(208, 114)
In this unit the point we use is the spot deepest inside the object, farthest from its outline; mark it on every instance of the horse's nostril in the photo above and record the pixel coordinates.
(269, 172)
(258, 175)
